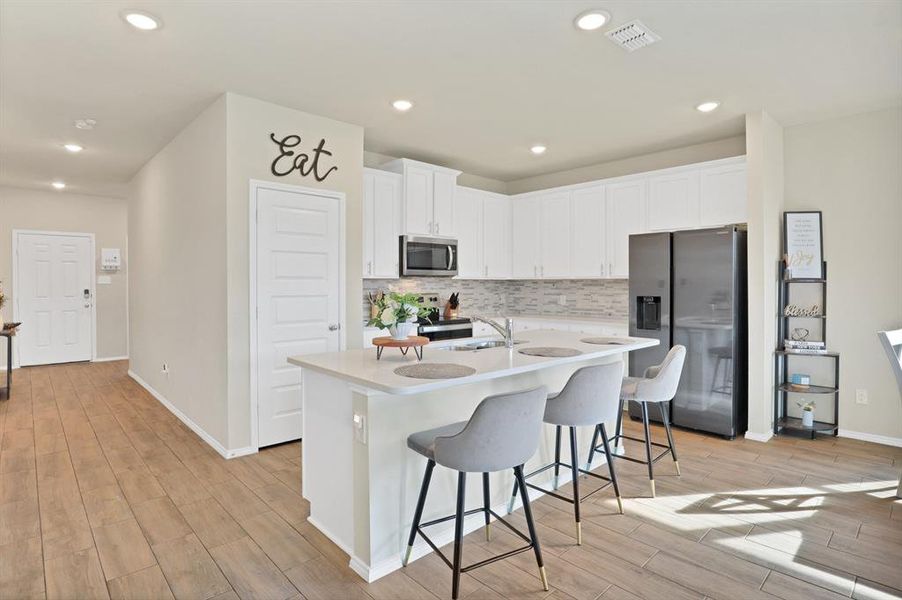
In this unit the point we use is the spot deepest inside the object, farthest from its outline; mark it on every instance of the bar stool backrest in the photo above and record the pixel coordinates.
(503, 433)
(591, 396)
(662, 380)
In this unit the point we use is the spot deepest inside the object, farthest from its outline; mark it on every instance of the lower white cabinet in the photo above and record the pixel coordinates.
(381, 223)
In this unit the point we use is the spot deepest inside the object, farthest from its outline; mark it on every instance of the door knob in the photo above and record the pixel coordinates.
(334, 327)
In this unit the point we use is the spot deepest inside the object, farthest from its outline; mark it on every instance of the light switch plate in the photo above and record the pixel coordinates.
(861, 396)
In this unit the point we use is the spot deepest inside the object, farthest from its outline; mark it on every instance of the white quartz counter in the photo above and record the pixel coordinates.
(360, 366)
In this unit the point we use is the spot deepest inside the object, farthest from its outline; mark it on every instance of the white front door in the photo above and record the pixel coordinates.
(298, 300)
(54, 295)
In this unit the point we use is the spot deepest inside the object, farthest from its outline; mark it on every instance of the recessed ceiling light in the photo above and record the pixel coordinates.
(402, 105)
(592, 20)
(85, 123)
(538, 149)
(59, 185)
(73, 148)
(141, 20)
(707, 106)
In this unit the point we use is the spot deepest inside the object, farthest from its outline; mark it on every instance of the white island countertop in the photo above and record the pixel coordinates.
(360, 366)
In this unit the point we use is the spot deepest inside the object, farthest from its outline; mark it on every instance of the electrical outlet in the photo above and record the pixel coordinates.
(360, 428)
(861, 396)
(165, 369)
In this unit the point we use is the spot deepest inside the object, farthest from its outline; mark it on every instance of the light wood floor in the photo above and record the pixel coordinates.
(104, 493)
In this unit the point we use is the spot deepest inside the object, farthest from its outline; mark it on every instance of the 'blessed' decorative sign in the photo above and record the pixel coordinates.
(289, 160)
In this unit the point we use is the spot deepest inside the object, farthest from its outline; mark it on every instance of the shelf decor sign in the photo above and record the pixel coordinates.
(803, 244)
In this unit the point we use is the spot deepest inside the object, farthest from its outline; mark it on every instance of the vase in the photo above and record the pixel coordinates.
(401, 331)
(808, 418)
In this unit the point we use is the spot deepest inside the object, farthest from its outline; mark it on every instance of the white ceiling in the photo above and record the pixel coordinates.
(488, 79)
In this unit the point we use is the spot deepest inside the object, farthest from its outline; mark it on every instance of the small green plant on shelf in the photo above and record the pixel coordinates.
(807, 407)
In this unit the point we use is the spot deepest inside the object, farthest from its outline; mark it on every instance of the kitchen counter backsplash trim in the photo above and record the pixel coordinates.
(590, 298)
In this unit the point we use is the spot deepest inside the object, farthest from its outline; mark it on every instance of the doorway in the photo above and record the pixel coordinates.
(53, 288)
(297, 298)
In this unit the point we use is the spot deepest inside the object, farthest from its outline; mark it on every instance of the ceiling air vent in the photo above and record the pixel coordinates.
(633, 35)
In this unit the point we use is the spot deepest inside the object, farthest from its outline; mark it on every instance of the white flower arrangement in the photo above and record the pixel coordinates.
(394, 309)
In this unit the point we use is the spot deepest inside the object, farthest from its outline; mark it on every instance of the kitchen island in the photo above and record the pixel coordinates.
(359, 476)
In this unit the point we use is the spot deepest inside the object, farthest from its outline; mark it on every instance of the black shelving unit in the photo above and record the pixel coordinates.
(783, 389)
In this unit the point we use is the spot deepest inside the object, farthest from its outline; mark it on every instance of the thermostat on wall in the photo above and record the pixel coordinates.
(110, 259)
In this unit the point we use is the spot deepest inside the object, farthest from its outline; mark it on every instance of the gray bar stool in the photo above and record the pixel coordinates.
(502, 434)
(590, 398)
(659, 386)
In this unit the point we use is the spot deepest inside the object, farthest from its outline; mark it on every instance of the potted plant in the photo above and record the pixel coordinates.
(2, 302)
(807, 412)
(398, 313)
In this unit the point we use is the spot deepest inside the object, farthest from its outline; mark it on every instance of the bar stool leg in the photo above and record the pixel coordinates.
(574, 469)
(651, 472)
(618, 441)
(527, 512)
(592, 449)
(557, 457)
(609, 456)
(458, 534)
(418, 513)
(486, 504)
(666, 420)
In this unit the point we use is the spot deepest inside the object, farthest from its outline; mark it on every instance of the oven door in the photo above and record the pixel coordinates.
(428, 256)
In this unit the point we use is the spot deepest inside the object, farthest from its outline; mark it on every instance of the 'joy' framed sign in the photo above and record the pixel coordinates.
(803, 244)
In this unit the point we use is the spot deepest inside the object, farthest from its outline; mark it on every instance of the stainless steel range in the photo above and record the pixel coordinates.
(436, 328)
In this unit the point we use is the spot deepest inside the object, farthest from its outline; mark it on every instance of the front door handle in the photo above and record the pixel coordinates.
(334, 327)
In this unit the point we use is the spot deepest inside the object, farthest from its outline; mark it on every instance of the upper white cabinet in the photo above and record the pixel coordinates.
(381, 223)
(525, 234)
(496, 248)
(723, 194)
(554, 229)
(427, 197)
(625, 216)
(673, 201)
(588, 237)
(468, 226)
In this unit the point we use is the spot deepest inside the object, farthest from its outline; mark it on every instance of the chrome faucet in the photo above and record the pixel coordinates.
(507, 332)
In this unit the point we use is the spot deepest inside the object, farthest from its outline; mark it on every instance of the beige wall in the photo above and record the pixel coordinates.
(177, 288)
(60, 211)
(250, 153)
(764, 160)
(734, 146)
(851, 169)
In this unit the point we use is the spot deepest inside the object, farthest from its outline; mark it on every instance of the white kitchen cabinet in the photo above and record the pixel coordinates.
(428, 197)
(554, 245)
(723, 194)
(625, 216)
(381, 223)
(673, 201)
(525, 234)
(587, 233)
(496, 246)
(468, 211)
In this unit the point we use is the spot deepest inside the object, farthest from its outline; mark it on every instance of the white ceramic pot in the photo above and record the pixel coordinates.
(808, 418)
(401, 331)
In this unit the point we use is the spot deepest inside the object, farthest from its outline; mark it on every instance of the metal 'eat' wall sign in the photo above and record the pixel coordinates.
(304, 163)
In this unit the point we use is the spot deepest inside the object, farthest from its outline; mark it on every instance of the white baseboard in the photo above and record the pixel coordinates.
(871, 437)
(222, 450)
(110, 359)
(759, 437)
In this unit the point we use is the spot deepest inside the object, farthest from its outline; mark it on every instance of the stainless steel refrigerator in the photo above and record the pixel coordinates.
(689, 288)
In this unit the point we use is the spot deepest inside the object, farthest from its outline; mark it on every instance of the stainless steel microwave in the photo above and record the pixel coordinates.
(428, 256)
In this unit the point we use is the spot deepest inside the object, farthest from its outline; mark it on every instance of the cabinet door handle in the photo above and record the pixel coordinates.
(437, 227)
(602, 269)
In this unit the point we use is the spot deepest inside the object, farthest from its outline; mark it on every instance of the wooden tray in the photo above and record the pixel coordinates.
(416, 342)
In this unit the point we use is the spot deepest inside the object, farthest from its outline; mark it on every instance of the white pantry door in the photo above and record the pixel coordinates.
(298, 300)
(54, 296)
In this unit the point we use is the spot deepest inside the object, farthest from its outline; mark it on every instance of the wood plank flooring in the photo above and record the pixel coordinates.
(105, 494)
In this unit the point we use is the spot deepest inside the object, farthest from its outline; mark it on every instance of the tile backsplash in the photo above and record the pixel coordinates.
(591, 298)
